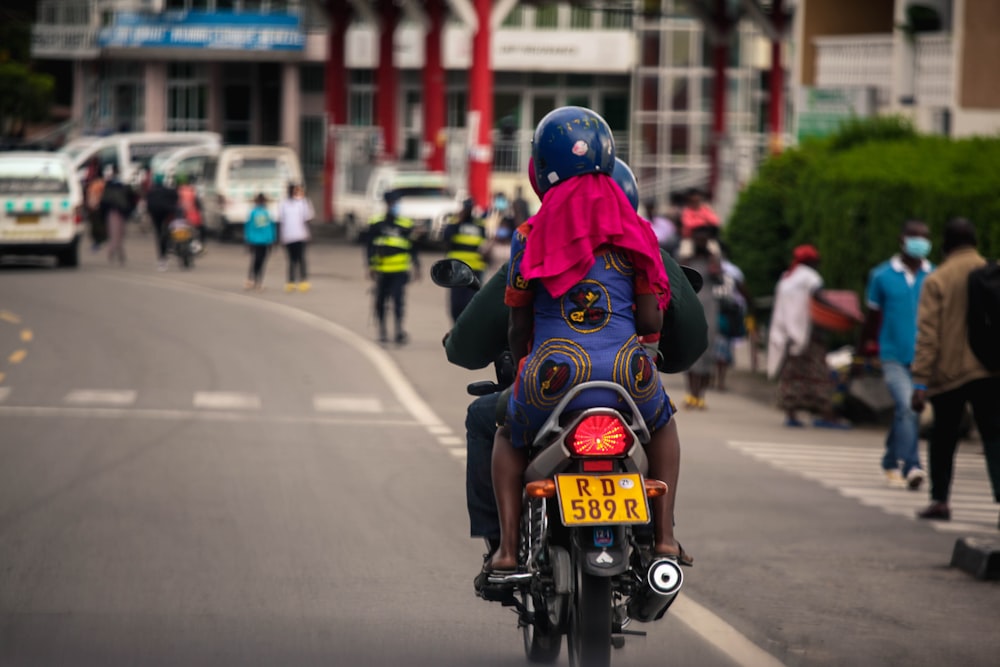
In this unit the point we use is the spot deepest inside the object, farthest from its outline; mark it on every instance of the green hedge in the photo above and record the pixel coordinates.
(849, 196)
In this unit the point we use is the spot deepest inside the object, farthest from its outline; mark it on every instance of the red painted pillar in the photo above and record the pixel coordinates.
(777, 103)
(481, 108)
(720, 56)
(434, 91)
(387, 82)
(339, 15)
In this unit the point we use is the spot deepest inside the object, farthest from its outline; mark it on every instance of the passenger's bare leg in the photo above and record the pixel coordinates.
(664, 453)
(508, 486)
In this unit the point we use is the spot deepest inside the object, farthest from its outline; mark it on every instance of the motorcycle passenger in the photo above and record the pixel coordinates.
(479, 337)
(391, 257)
(464, 236)
(578, 269)
(191, 204)
(161, 202)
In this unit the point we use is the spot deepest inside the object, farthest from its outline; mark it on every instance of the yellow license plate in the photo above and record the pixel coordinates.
(28, 219)
(602, 499)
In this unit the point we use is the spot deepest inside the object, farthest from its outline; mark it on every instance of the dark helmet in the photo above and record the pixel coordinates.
(390, 197)
(468, 203)
(571, 141)
(625, 179)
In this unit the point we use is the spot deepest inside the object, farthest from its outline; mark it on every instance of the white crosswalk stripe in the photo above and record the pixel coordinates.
(855, 472)
(117, 398)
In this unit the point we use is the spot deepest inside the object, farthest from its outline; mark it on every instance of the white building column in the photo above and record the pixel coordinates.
(291, 105)
(155, 97)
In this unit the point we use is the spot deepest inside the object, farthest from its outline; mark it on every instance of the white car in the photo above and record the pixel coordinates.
(130, 152)
(185, 163)
(41, 206)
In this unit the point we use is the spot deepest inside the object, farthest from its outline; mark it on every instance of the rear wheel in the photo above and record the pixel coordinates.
(70, 257)
(589, 637)
(542, 642)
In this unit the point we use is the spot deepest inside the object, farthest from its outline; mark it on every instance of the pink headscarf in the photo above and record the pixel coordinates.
(577, 217)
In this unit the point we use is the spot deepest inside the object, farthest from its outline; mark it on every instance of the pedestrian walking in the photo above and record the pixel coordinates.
(734, 302)
(702, 255)
(94, 187)
(663, 227)
(890, 332)
(259, 233)
(696, 213)
(947, 372)
(796, 354)
(391, 257)
(188, 199)
(294, 215)
(161, 203)
(117, 203)
(464, 237)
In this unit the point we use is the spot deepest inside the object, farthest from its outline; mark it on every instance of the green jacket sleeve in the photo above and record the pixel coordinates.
(480, 333)
(684, 336)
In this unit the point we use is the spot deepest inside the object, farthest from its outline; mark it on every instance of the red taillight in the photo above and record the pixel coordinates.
(600, 435)
(598, 465)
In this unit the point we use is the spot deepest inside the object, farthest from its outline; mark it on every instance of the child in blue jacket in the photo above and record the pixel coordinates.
(260, 233)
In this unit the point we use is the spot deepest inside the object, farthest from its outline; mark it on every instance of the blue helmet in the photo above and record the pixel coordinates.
(625, 179)
(568, 142)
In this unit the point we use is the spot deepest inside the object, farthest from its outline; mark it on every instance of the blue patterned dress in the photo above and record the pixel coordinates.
(586, 334)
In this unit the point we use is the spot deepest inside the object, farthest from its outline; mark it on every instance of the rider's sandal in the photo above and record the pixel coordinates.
(682, 558)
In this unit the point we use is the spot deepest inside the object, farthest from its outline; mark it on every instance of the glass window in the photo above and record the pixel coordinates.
(312, 135)
(680, 48)
(679, 94)
(456, 108)
(680, 140)
(311, 78)
(544, 79)
(506, 106)
(614, 108)
(649, 137)
(581, 17)
(547, 16)
(579, 101)
(580, 80)
(515, 19)
(617, 19)
(541, 105)
(650, 49)
(649, 92)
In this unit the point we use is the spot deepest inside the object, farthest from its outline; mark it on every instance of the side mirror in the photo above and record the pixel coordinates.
(695, 278)
(453, 273)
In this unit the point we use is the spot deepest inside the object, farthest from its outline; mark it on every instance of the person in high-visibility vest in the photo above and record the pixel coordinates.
(392, 257)
(464, 237)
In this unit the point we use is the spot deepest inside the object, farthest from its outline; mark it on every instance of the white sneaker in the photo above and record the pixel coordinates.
(894, 478)
(915, 478)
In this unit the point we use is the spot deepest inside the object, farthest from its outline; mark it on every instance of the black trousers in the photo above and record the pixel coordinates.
(296, 261)
(162, 238)
(390, 286)
(984, 395)
(258, 256)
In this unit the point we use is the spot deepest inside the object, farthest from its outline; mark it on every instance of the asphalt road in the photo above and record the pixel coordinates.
(192, 474)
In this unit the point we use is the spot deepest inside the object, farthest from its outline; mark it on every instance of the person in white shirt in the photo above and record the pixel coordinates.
(294, 215)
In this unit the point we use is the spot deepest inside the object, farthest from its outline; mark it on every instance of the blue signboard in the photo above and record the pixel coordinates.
(239, 31)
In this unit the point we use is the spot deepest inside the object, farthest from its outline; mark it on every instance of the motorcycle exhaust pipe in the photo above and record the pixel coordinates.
(663, 582)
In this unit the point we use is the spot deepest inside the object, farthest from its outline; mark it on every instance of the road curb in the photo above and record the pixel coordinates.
(980, 558)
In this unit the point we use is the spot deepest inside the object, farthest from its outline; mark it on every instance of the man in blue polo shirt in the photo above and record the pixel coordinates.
(891, 331)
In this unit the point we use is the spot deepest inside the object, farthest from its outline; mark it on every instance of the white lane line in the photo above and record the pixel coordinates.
(721, 635)
(346, 403)
(439, 430)
(451, 441)
(47, 412)
(459, 454)
(4, 393)
(226, 400)
(112, 397)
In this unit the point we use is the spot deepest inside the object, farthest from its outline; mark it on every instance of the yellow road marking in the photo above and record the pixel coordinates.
(26, 335)
(8, 316)
(17, 356)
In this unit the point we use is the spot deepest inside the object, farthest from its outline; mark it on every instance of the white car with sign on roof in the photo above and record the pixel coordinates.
(41, 206)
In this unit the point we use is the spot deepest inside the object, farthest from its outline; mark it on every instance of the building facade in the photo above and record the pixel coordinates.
(253, 70)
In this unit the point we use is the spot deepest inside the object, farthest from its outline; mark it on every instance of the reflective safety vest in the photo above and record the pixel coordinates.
(465, 243)
(392, 245)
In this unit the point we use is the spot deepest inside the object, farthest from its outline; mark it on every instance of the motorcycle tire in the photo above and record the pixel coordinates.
(589, 637)
(542, 642)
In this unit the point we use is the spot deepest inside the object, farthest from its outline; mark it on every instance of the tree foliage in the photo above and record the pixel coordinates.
(25, 96)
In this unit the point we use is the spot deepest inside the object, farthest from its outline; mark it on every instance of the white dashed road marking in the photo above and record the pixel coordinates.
(346, 403)
(856, 473)
(117, 398)
(226, 400)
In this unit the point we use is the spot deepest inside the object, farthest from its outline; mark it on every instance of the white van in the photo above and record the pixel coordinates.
(186, 163)
(130, 152)
(41, 206)
(233, 179)
(427, 198)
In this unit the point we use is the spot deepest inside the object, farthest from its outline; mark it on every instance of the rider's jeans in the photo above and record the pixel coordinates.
(480, 427)
(901, 445)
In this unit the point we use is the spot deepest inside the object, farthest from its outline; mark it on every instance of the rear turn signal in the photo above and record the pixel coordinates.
(545, 488)
(600, 435)
(655, 488)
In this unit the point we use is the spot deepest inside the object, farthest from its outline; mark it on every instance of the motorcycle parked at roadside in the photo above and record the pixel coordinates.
(586, 561)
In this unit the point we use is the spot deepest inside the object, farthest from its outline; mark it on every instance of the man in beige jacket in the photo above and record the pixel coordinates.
(946, 371)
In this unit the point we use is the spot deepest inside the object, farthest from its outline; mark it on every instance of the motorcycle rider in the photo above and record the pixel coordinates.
(478, 337)
(464, 236)
(391, 257)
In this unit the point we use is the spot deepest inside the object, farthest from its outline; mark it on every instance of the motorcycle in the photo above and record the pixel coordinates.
(586, 561)
(183, 244)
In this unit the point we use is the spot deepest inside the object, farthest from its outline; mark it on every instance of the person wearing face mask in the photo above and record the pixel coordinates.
(890, 333)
